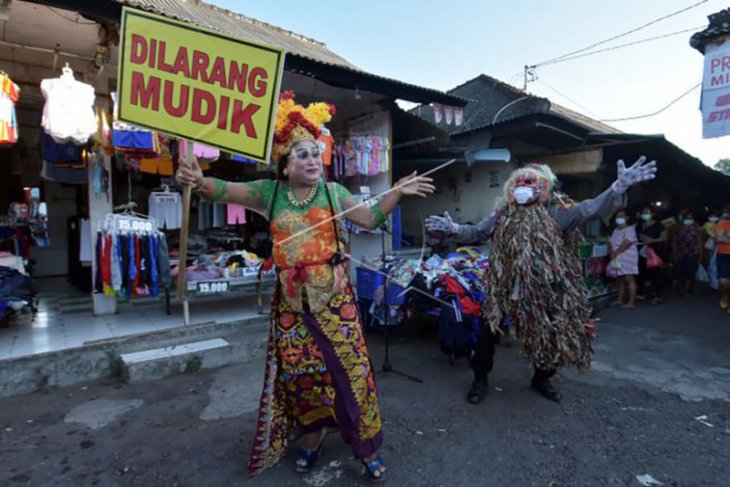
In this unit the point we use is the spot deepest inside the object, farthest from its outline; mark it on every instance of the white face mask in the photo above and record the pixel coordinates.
(523, 194)
(713, 219)
(620, 221)
(688, 221)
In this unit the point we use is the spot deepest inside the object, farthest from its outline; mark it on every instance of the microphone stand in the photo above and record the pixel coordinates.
(387, 366)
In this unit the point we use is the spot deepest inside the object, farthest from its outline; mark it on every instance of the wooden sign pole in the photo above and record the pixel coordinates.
(182, 284)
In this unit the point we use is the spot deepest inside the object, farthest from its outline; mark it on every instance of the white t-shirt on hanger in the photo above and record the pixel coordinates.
(68, 115)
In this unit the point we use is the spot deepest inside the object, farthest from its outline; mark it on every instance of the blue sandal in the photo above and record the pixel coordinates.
(309, 457)
(372, 468)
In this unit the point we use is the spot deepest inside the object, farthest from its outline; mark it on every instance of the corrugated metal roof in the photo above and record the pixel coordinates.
(493, 102)
(581, 119)
(719, 26)
(238, 25)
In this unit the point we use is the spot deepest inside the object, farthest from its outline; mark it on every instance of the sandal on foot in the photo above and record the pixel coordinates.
(306, 459)
(373, 469)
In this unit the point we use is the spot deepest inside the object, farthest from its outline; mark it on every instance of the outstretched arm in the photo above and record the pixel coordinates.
(462, 233)
(371, 217)
(253, 195)
(607, 203)
(602, 206)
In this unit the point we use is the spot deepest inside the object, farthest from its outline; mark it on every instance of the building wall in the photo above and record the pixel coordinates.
(465, 201)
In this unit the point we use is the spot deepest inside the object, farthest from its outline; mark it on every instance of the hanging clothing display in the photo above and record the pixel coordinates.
(361, 156)
(166, 208)
(131, 264)
(201, 152)
(211, 215)
(244, 160)
(141, 149)
(236, 214)
(9, 94)
(162, 162)
(326, 144)
(65, 154)
(134, 140)
(65, 175)
(68, 114)
(64, 162)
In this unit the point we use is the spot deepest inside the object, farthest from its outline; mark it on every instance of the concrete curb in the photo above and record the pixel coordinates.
(99, 359)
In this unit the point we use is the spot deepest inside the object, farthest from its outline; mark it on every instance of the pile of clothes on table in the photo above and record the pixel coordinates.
(17, 291)
(233, 264)
(452, 288)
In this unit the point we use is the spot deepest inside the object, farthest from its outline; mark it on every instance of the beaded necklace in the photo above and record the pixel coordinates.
(310, 197)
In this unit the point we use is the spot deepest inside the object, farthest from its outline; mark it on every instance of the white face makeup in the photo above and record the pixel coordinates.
(304, 163)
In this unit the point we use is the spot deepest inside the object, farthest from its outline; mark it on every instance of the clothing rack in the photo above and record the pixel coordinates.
(129, 220)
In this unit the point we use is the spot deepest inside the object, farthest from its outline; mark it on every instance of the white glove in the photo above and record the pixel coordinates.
(435, 223)
(635, 174)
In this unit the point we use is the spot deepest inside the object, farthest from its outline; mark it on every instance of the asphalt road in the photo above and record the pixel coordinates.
(657, 369)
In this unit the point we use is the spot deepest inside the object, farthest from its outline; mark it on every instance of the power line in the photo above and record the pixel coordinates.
(569, 99)
(656, 112)
(70, 20)
(693, 29)
(622, 35)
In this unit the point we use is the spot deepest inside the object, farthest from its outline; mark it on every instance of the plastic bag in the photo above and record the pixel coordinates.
(702, 275)
(710, 244)
(653, 261)
(612, 269)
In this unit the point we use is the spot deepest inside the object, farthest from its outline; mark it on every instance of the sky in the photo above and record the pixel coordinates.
(441, 44)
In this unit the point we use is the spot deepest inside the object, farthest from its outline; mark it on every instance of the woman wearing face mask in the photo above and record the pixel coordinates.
(687, 252)
(651, 234)
(625, 255)
(318, 372)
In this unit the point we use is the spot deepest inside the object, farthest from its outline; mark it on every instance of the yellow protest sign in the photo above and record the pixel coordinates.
(198, 84)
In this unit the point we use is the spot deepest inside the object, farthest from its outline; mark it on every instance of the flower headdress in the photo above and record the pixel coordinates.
(295, 123)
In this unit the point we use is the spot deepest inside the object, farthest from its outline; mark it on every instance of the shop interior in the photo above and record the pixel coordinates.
(61, 194)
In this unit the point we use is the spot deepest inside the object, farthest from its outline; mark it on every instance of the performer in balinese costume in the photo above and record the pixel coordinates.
(534, 275)
(318, 372)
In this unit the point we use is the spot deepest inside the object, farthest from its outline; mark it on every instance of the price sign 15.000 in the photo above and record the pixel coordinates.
(134, 225)
(213, 287)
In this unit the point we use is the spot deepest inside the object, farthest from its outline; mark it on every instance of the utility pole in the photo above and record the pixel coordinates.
(524, 84)
(529, 76)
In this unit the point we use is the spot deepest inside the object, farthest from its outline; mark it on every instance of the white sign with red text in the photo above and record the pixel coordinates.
(716, 91)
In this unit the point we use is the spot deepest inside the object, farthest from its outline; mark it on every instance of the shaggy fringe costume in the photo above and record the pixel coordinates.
(534, 275)
(534, 279)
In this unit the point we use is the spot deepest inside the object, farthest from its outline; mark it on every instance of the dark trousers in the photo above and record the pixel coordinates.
(482, 361)
(655, 277)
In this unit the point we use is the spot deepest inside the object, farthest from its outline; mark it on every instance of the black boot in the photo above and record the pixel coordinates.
(541, 383)
(478, 391)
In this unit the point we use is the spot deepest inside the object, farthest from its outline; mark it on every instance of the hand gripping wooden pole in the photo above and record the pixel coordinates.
(184, 229)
